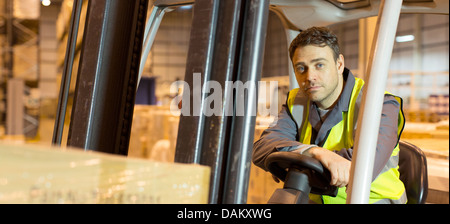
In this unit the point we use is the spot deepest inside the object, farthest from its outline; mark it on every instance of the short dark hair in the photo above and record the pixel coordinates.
(318, 36)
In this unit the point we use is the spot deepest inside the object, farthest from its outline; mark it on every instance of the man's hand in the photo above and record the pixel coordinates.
(338, 166)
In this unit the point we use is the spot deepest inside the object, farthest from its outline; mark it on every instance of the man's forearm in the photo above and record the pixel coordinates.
(280, 137)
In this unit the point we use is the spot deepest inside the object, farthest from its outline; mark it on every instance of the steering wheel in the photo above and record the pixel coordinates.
(280, 163)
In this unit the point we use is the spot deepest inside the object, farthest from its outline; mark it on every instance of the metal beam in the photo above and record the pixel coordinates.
(224, 64)
(7, 56)
(200, 54)
(212, 53)
(226, 45)
(151, 28)
(67, 73)
(372, 103)
(243, 127)
(107, 77)
(167, 3)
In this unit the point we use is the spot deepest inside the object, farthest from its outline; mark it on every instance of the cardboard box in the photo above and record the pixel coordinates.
(40, 174)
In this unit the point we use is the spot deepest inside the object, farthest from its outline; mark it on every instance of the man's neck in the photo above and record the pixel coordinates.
(329, 107)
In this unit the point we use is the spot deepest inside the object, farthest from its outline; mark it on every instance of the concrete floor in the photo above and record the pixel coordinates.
(433, 139)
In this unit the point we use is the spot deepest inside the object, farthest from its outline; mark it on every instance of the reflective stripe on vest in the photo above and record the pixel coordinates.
(387, 187)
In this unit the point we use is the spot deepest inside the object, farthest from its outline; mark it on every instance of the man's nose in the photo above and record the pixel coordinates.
(311, 75)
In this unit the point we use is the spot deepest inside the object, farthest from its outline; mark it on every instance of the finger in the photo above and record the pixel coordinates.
(334, 178)
(342, 177)
(347, 178)
(339, 183)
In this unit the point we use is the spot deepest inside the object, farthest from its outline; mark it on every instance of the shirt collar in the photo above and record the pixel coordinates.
(344, 99)
(335, 115)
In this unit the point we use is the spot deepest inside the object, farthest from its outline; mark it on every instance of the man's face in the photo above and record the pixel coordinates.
(318, 74)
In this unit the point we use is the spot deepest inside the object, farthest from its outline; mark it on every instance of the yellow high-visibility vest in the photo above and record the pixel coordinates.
(387, 187)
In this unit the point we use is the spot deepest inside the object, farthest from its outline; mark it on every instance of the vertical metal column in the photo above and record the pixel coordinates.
(223, 69)
(213, 54)
(7, 55)
(200, 54)
(227, 43)
(243, 127)
(372, 103)
(67, 72)
(107, 77)
(15, 108)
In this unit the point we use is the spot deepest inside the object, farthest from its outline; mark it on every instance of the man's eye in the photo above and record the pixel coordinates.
(300, 69)
(320, 65)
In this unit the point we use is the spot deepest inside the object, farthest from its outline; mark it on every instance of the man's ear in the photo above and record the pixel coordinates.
(340, 65)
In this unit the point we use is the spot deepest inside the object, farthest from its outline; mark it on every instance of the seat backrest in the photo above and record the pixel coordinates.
(413, 172)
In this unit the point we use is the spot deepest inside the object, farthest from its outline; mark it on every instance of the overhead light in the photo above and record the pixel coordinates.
(405, 38)
(185, 7)
(46, 2)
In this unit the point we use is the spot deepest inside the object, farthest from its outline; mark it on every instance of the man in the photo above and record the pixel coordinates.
(319, 120)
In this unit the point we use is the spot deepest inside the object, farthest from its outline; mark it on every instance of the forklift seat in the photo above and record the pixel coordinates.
(413, 172)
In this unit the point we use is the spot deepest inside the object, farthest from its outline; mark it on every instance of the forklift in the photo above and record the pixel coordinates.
(227, 44)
